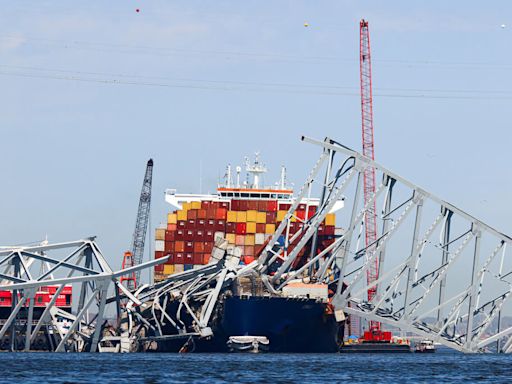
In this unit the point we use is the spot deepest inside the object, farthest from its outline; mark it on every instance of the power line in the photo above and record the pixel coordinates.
(250, 87)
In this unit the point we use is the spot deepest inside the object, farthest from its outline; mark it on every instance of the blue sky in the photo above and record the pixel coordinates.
(89, 91)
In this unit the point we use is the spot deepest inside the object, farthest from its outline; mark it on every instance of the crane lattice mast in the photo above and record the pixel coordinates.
(370, 220)
(141, 226)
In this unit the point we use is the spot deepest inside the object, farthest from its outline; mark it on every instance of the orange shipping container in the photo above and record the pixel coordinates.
(171, 227)
(250, 228)
(231, 216)
(179, 246)
(252, 216)
(241, 217)
(172, 218)
(249, 240)
(270, 229)
(221, 214)
(330, 219)
(192, 214)
(239, 240)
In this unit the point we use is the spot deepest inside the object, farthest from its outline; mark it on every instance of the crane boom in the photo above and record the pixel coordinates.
(141, 223)
(370, 219)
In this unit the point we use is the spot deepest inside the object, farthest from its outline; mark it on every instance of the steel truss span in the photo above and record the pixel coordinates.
(443, 274)
(25, 270)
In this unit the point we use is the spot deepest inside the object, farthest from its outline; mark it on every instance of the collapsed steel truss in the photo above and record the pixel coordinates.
(443, 274)
(25, 270)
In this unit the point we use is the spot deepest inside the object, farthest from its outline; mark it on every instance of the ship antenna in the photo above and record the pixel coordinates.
(238, 170)
(283, 177)
(228, 176)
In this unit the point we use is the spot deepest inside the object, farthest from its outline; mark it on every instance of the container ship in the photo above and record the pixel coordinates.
(42, 298)
(246, 215)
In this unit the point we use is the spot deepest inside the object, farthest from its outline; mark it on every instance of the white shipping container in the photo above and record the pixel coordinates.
(259, 238)
(179, 268)
(220, 235)
(159, 245)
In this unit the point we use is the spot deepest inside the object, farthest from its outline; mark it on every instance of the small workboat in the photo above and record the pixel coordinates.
(425, 346)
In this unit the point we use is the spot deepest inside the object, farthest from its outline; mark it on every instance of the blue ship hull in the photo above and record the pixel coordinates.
(291, 325)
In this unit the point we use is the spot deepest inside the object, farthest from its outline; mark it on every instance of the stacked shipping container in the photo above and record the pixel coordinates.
(190, 233)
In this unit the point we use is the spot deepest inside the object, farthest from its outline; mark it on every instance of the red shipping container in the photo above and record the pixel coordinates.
(205, 204)
(159, 254)
(221, 214)
(189, 246)
(189, 235)
(211, 212)
(170, 260)
(200, 223)
(179, 246)
(182, 224)
(301, 207)
(272, 206)
(180, 234)
(199, 247)
(260, 228)
(262, 205)
(192, 214)
(191, 224)
(215, 204)
(159, 268)
(252, 205)
(329, 230)
(230, 227)
(300, 214)
(241, 228)
(169, 246)
(171, 227)
(206, 258)
(208, 235)
(249, 250)
(235, 205)
(189, 258)
(284, 207)
(179, 258)
(210, 224)
(271, 217)
(258, 249)
(208, 247)
(201, 214)
(224, 204)
(220, 226)
(242, 205)
(199, 236)
(198, 258)
(170, 235)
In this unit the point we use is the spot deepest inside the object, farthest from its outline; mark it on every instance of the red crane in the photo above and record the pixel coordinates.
(370, 220)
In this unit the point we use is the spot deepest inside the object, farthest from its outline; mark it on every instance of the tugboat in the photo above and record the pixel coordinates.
(425, 346)
(248, 344)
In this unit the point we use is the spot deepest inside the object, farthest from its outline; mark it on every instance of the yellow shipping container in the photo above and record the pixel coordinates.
(168, 269)
(281, 215)
(250, 228)
(241, 217)
(270, 228)
(251, 216)
(249, 239)
(160, 234)
(231, 216)
(330, 219)
(196, 205)
(230, 237)
(182, 215)
(261, 218)
(172, 218)
(186, 206)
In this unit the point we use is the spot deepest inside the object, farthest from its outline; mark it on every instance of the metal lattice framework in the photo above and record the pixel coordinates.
(445, 275)
(141, 223)
(26, 269)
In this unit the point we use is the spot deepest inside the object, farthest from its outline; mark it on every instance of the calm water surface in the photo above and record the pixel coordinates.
(237, 368)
